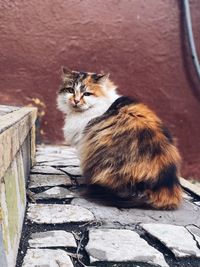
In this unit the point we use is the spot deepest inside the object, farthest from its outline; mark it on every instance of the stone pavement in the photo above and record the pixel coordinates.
(62, 229)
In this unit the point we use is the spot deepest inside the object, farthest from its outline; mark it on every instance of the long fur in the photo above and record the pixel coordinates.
(129, 152)
(128, 156)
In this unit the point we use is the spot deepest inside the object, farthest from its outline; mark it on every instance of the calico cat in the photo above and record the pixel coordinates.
(125, 149)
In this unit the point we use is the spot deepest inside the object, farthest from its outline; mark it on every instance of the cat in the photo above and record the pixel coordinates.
(125, 150)
(82, 97)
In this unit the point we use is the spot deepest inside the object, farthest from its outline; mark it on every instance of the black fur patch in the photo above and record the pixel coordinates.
(145, 143)
(167, 178)
(95, 77)
(167, 134)
(93, 122)
(145, 135)
(119, 103)
(62, 90)
(79, 77)
(141, 186)
(83, 75)
(112, 110)
(156, 150)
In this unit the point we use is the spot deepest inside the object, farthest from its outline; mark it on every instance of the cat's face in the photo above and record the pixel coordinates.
(80, 90)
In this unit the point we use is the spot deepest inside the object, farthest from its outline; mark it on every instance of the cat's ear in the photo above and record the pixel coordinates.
(67, 74)
(66, 71)
(100, 78)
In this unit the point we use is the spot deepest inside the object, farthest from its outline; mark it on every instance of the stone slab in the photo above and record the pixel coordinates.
(113, 245)
(191, 187)
(41, 180)
(47, 258)
(187, 196)
(197, 203)
(45, 170)
(55, 192)
(75, 171)
(49, 239)
(176, 238)
(58, 213)
(195, 231)
(188, 213)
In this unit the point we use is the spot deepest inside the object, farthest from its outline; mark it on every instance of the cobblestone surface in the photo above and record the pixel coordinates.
(64, 229)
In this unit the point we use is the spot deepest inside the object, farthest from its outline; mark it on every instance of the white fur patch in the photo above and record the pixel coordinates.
(77, 118)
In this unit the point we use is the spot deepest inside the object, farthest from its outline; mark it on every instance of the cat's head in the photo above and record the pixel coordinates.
(82, 90)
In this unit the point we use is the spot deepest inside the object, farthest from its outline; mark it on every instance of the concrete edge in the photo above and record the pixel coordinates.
(14, 128)
(12, 118)
(189, 186)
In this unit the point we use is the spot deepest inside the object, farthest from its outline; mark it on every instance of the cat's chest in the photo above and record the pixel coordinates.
(74, 126)
(75, 122)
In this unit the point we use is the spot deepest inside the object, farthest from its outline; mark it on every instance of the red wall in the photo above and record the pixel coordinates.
(140, 42)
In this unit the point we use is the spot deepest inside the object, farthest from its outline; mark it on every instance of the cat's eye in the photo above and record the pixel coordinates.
(69, 90)
(87, 94)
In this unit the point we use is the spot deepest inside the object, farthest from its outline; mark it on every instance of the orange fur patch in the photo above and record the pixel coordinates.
(94, 88)
(165, 198)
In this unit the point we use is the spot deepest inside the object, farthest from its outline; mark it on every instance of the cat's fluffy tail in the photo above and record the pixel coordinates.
(166, 198)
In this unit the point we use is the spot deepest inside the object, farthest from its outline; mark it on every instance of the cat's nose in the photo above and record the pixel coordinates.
(76, 101)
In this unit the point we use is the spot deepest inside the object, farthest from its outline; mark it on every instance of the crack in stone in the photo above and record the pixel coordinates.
(154, 219)
(73, 179)
(193, 235)
(156, 243)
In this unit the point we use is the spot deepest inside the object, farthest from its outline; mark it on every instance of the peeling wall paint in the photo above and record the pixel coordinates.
(141, 43)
